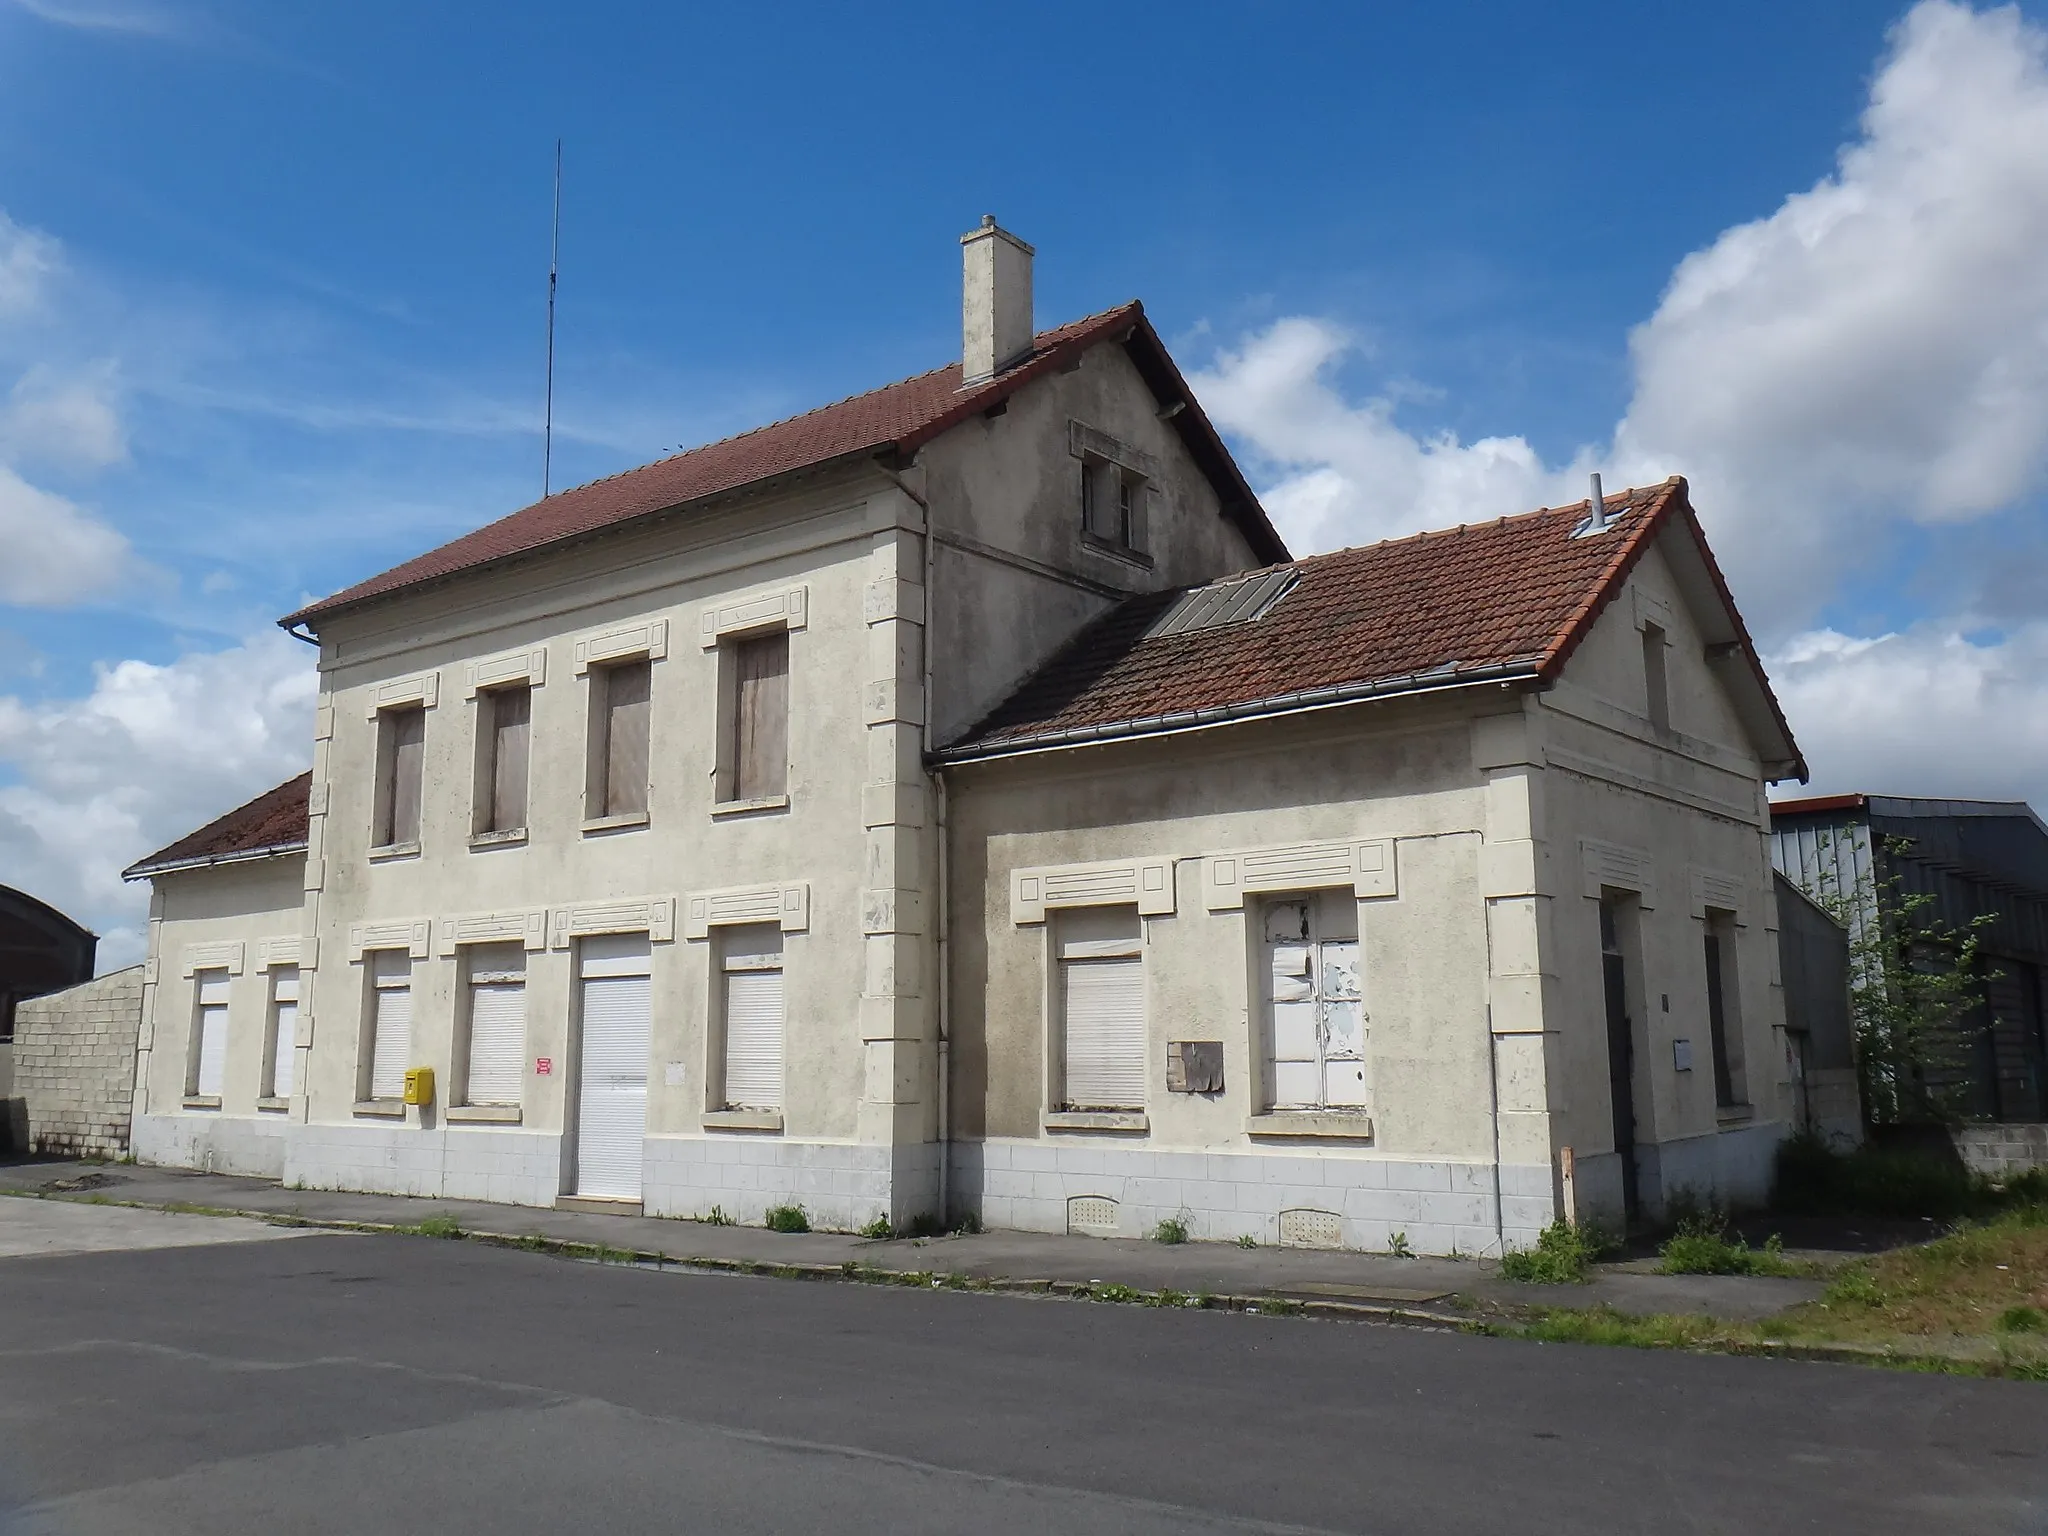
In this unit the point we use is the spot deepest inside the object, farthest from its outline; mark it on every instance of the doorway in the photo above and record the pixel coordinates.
(1621, 1047)
(616, 993)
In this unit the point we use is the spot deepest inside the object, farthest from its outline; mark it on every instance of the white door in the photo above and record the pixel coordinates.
(213, 1033)
(611, 1094)
(1316, 1012)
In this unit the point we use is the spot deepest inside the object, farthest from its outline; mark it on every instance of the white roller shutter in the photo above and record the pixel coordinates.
(497, 1024)
(611, 1115)
(213, 1032)
(284, 1025)
(1105, 1034)
(753, 1039)
(391, 1023)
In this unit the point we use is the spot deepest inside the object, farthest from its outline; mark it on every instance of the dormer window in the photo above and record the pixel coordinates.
(1113, 500)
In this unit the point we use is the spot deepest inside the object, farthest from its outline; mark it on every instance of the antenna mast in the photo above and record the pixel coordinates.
(547, 448)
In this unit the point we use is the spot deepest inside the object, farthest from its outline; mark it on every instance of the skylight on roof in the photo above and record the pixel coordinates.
(1238, 601)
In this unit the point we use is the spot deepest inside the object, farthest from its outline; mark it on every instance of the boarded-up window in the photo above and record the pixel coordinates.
(1722, 1031)
(1656, 685)
(507, 723)
(753, 1017)
(210, 1034)
(390, 1043)
(1315, 1011)
(497, 1024)
(401, 756)
(760, 723)
(1102, 1007)
(284, 1032)
(622, 757)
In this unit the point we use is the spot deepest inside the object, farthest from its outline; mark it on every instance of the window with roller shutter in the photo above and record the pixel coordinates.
(752, 966)
(209, 1034)
(1102, 1008)
(497, 1025)
(390, 1023)
(1315, 1025)
(281, 1053)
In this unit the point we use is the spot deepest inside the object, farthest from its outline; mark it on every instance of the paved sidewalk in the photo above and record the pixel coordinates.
(1418, 1290)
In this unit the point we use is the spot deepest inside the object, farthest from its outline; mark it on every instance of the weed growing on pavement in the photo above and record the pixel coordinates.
(1246, 1240)
(1114, 1292)
(877, 1229)
(969, 1225)
(436, 1226)
(1701, 1246)
(1562, 1255)
(788, 1218)
(1171, 1231)
(1397, 1246)
(716, 1217)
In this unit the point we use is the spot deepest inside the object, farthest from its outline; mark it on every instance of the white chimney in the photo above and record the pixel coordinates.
(995, 300)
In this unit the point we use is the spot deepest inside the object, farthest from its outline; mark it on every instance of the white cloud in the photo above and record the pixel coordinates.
(28, 257)
(67, 420)
(1921, 712)
(57, 553)
(104, 16)
(1870, 357)
(151, 753)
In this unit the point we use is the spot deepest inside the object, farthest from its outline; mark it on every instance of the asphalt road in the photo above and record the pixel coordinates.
(350, 1383)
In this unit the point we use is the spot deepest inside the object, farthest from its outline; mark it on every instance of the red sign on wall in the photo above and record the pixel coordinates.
(544, 1066)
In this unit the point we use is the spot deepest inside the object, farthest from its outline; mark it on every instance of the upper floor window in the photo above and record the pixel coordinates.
(617, 785)
(1656, 685)
(1113, 505)
(401, 767)
(756, 749)
(504, 732)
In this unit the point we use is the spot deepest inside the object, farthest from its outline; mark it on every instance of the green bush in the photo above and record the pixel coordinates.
(1701, 1246)
(1171, 1231)
(2022, 1319)
(788, 1218)
(1562, 1255)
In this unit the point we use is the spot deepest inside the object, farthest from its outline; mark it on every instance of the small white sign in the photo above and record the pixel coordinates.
(673, 1074)
(1681, 1055)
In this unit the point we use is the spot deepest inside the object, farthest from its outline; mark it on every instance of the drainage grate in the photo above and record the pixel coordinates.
(1311, 1229)
(1092, 1215)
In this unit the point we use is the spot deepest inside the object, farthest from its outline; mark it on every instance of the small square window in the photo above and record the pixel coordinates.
(1113, 505)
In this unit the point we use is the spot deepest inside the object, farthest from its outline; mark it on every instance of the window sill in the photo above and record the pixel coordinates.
(273, 1105)
(202, 1101)
(391, 851)
(482, 1114)
(743, 1120)
(1325, 1124)
(380, 1109)
(1115, 551)
(726, 808)
(1094, 1120)
(511, 837)
(621, 823)
(1734, 1114)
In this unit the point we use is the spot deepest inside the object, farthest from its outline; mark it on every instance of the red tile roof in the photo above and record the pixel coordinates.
(1510, 598)
(274, 822)
(901, 417)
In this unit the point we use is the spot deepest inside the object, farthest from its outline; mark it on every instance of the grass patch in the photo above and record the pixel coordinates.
(1815, 1180)
(2021, 1319)
(1562, 1255)
(1171, 1231)
(788, 1218)
(436, 1226)
(1701, 1246)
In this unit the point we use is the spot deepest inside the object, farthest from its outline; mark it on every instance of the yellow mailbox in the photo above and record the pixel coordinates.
(419, 1085)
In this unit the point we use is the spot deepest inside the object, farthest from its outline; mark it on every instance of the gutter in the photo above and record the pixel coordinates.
(208, 861)
(1437, 680)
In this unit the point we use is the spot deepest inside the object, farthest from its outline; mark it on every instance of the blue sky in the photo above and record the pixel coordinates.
(279, 275)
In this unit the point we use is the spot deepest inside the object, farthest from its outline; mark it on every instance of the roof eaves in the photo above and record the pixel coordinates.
(1435, 680)
(148, 870)
(1579, 623)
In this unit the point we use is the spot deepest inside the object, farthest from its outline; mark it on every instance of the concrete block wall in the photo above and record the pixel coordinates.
(2000, 1150)
(841, 1185)
(74, 1065)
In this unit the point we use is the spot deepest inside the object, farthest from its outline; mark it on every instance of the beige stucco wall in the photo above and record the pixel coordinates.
(1401, 771)
(1010, 483)
(1690, 798)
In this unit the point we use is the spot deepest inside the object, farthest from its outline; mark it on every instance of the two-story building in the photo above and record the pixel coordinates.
(955, 798)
